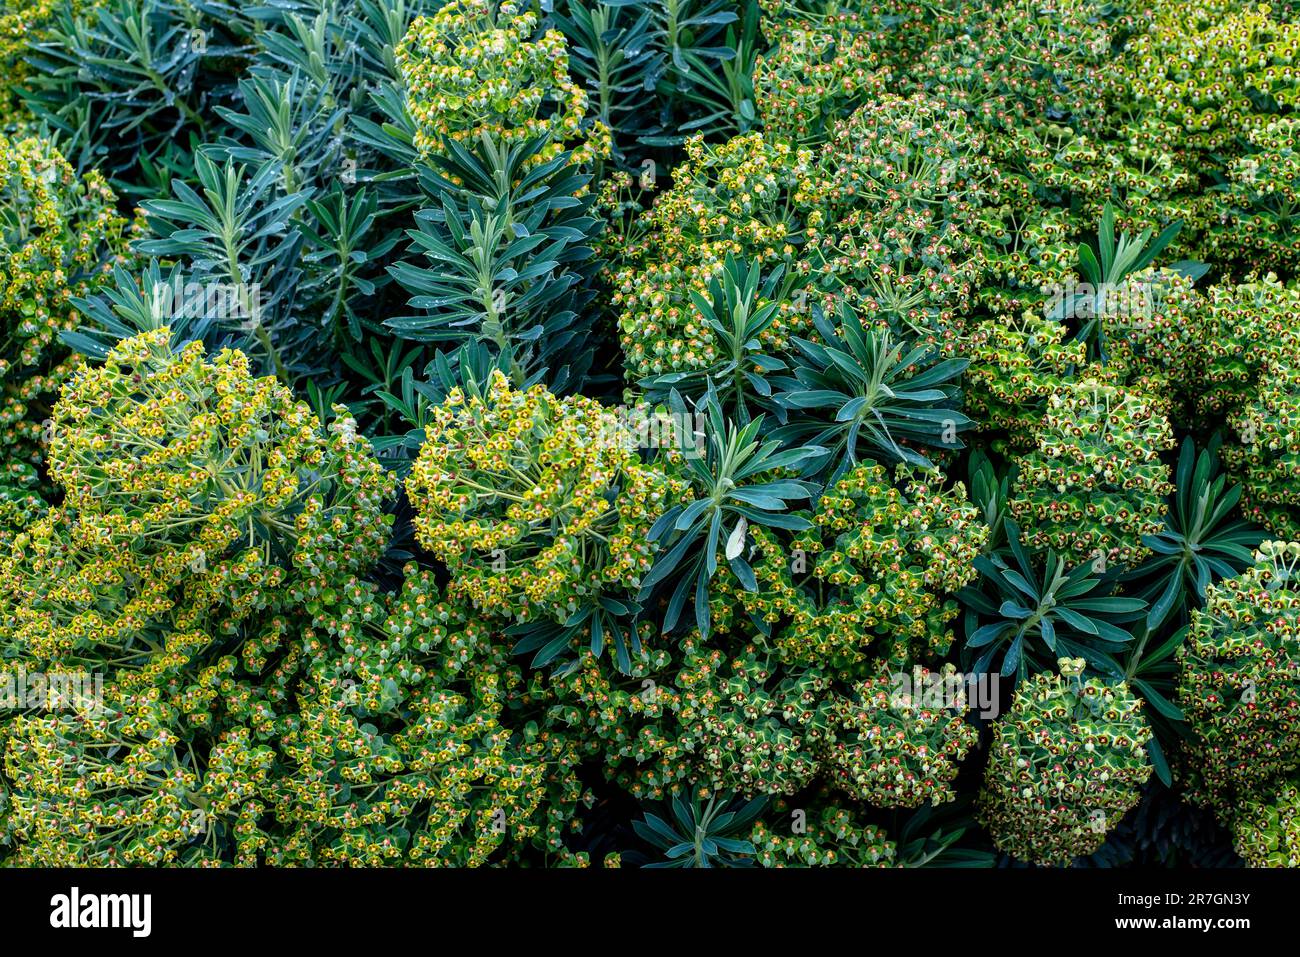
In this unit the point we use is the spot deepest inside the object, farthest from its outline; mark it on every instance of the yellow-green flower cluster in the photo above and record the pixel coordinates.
(1137, 165)
(1012, 65)
(741, 198)
(179, 473)
(1150, 328)
(763, 736)
(1030, 76)
(405, 750)
(1016, 366)
(59, 233)
(1239, 684)
(879, 563)
(1268, 458)
(176, 450)
(700, 720)
(1264, 192)
(634, 723)
(481, 67)
(1253, 375)
(1067, 762)
(1206, 67)
(23, 24)
(1026, 247)
(59, 229)
(536, 504)
(1095, 484)
(815, 75)
(125, 789)
(706, 721)
(1246, 332)
(1267, 833)
(204, 510)
(1219, 79)
(20, 503)
(712, 723)
(895, 190)
(892, 747)
(898, 31)
(831, 836)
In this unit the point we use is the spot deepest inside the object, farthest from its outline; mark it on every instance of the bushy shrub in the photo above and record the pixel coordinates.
(1263, 190)
(1067, 762)
(205, 512)
(633, 723)
(1012, 66)
(1244, 333)
(482, 66)
(742, 198)
(1208, 68)
(1095, 484)
(1238, 681)
(1222, 74)
(1151, 329)
(59, 232)
(1254, 366)
(748, 342)
(762, 735)
(21, 21)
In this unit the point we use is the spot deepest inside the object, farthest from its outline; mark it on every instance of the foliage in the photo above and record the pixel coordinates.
(861, 393)
(532, 432)
(700, 834)
(1202, 541)
(504, 247)
(1030, 618)
(733, 481)
(740, 307)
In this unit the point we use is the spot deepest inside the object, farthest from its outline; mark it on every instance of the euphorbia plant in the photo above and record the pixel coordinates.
(734, 482)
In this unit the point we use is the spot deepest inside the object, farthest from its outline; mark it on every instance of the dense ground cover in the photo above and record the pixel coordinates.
(673, 432)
